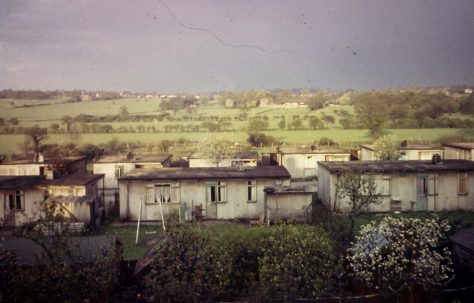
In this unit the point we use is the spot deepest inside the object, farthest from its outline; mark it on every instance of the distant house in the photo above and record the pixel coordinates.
(216, 192)
(459, 151)
(407, 152)
(405, 185)
(114, 167)
(43, 167)
(243, 158)
(21, 197)
(302, 162)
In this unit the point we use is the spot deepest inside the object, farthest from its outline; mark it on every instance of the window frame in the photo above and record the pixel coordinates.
(220, 188)
(463, 178)
(251, 191)
(12, 198)
(119, 170)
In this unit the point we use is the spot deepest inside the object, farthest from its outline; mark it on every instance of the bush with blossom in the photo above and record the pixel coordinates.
(397, 254)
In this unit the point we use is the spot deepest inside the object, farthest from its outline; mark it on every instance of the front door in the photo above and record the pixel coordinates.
(422, 192)
(211, 200)
(9, 209)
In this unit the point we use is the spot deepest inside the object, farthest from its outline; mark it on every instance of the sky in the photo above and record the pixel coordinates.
(172, 46)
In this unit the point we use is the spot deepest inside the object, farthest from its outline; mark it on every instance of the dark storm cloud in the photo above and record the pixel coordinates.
(212, 45)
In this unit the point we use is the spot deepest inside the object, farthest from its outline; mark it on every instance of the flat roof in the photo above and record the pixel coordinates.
(408, 147)
(75, 179)
(207, 173)
(157, 158)
(398, 166)
(462, 145)
(251, 154)
(67, 160)
(312, 149)
(21, 182)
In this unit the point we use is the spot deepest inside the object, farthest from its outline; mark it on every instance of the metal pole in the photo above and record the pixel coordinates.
(162, 217)
(139, 219)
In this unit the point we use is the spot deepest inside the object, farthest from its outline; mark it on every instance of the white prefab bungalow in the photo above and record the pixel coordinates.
(459, 151)
(220, 192)
(21, 197)
(302, 162)
(243, 158)
(43, 167)
(405, 185)
(407, 152)
(114, 167)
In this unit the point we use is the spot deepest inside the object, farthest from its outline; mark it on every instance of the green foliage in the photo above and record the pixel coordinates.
(297, 263)
(386, 148)
(258, 139)
(185, 267)
(371, 114)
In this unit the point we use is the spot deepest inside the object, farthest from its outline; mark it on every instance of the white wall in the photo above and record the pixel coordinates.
(442, 192)
(305, 165)
(31, 202)
(193, 193)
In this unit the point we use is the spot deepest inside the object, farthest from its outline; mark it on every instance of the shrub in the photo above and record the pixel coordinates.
(297, 261)
(184, 268)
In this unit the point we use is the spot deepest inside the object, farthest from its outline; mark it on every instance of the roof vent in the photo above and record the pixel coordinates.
(436, 159)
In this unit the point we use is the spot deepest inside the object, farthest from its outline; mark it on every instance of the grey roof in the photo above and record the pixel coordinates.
(30, 181)
(467, 145)
(80, 249)
(312, 149)
(465, 238)
(20, 182)
(398, 166)
(249, 154)
(67, 160)
(293, 189)
(75, 179)
(157, 158)
(409, 147)
(208, 173)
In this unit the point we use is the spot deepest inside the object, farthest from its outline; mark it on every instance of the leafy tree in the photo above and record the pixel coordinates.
(123, 111)
(282, 123)
(36, 134)
(54, 128)
(328, 119)
(258, 139)
(297, 263)
(315, 123)
(372, 115)
(69, 121)
(216, 150)
(257, 124)
(361, 191)
(386, 148)
(398, 254)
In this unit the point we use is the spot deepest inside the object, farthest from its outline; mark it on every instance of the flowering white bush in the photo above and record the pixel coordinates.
(398, 253)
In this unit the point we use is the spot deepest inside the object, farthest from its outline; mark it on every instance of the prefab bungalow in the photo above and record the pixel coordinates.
(114, 167)
(407, 152)
(43, 167)
(22, 197)
(459, 151)
(217, 192)
(404, 185)
(242, 158)
(302, 162)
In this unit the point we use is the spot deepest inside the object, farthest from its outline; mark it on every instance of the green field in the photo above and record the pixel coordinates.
(11, 143)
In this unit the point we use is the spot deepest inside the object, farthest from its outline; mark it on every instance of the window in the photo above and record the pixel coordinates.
(216, 191)
(15, 201)
(462, 183)
(161, 193)
(383, 185)
(118, 171)
(251, 191)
